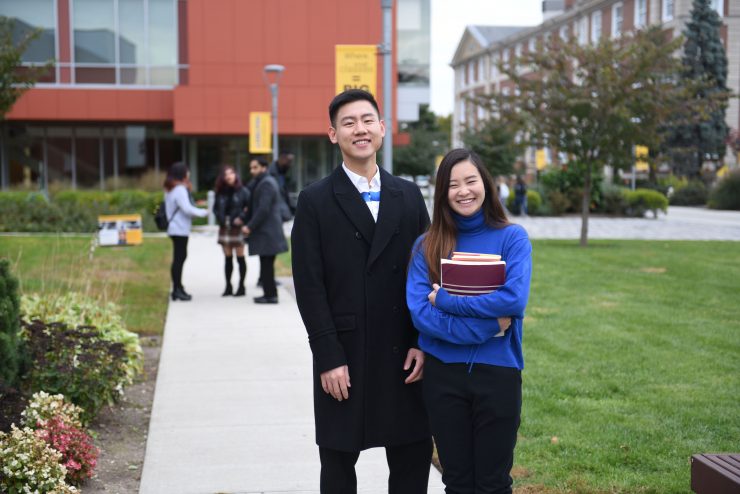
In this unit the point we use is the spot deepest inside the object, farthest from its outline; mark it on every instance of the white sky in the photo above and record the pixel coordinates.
(449, 18)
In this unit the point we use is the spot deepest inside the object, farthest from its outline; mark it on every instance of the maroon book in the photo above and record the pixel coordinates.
(472, 277)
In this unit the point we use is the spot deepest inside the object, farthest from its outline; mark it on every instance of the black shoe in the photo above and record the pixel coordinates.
(229, 290)
(179, 294)
(265, 300)
(241, 291)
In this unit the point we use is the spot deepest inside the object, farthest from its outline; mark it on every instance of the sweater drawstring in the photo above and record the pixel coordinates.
(472, 357)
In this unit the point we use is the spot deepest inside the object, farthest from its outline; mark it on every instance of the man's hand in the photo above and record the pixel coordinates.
(237, 222)
(433, 294)
(246, 230)
(418, 373)
(336, 382)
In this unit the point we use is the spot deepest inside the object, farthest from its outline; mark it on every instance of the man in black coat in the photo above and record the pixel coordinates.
(352, 238)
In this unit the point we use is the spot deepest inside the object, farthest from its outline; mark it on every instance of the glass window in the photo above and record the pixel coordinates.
(414, 42)
(532, 45)
(162, 32)
(640, 13)
(596, 26)
(617, 20)
(94, 31)
(27, 16)
(131, 32)
(563, 33)
(667, 10)
(583, 30)
(494, 67)
(718, 5)
(518, 50)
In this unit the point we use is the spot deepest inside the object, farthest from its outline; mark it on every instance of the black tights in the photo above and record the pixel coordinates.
(229, 268)
(179, 254)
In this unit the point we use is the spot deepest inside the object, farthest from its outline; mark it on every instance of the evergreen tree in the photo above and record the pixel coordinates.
(691, 141)
(9, 325)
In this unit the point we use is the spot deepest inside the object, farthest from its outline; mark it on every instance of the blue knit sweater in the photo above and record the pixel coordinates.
(461, 329)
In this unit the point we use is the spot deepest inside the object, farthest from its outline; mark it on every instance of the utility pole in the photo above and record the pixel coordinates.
(387, 52)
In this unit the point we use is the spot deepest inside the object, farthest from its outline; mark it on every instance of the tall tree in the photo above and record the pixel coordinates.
(594, 102)
(428, 140)
(704, 70)
(13, 81)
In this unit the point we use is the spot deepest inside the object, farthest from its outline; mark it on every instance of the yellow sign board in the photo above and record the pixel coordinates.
(260, 132)
(119, 229)
(641, 155)
(356, 67)
(540, 159)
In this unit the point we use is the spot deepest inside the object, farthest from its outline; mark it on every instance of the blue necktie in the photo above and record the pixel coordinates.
(371, 196)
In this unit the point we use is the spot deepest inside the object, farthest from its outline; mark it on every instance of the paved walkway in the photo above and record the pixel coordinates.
(233, 406)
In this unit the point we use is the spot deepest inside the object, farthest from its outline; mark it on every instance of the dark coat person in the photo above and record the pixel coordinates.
(264, 229)
(352, 238)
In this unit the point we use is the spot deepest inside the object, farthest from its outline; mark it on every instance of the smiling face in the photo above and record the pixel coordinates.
(359, 133)
(466, 192)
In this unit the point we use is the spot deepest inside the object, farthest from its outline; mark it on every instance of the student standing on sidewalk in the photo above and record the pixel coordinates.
(472, 380)
(352, 235)
(180, 213)
(264, 230)
(230, 208)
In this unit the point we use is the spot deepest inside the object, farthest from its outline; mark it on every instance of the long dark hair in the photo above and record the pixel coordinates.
(177, 174)
(440, 240)
(221, 185)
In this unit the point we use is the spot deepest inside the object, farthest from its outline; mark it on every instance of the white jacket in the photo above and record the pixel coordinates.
(180, 211)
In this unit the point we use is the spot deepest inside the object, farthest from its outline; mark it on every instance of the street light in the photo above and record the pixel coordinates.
(272, 75)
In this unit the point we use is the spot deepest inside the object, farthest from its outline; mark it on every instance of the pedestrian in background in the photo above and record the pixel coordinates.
(503, 191)
(264, 229)
(520, 196)
(230, 208)
(280, 170)
(472, 379)
(180, 213)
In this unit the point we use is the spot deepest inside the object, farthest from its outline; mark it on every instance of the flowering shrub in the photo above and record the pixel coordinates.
(44, 406)
(28, 464)
(77, 363)
(75, 309)
(79, 455)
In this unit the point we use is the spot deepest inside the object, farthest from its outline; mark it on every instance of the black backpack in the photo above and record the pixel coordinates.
(161, 218)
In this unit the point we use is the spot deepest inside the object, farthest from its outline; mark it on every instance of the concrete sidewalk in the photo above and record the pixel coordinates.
(233, 406)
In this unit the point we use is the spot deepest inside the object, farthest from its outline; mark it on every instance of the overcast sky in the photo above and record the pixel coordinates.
(449, 18)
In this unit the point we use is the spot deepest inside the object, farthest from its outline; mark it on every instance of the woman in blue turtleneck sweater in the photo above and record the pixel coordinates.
(472, 379)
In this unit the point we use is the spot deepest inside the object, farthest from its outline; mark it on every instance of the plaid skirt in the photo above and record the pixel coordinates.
(231, 237)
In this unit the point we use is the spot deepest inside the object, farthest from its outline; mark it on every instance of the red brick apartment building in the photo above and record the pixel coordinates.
(139, 84)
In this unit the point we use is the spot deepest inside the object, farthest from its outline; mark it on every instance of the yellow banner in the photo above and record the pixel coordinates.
(260, 132)
(356, 67)
(641, 155)
(120, 229)
(540, 159)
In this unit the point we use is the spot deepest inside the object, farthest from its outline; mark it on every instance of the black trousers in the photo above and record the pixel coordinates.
(267, 275)
(408, 464)
(474, 415)
(179, 254)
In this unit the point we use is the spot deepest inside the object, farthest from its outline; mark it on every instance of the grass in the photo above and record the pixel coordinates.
(136, 278)
(632, 354)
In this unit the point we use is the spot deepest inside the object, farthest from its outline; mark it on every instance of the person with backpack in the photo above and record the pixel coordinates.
(180, 211)
(231, 208)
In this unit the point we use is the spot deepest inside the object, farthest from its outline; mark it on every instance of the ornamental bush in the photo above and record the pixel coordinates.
(614, 200)
(29, 464)
(693, 193)
(79, 454)
(75, 309)
(44, 406)
(727, 193)
(642, 200)
(9, 324)
(76, 362)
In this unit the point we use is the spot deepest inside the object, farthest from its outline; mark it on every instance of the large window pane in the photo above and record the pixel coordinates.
(162, 32)
(94, 31)
(131, 32)
(29, 15)
(414, 39)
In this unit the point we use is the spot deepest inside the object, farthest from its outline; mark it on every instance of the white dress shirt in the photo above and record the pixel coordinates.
(363, 185)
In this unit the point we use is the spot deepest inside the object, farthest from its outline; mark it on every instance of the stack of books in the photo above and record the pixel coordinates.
(470, 273)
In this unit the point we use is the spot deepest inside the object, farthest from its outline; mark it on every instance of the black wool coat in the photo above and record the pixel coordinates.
(265, 224)
(350, 282)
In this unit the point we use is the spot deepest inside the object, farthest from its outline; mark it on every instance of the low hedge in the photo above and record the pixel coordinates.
(534, 203)
(73, 210)
(642, 200)
(727, 193)
(694, 193)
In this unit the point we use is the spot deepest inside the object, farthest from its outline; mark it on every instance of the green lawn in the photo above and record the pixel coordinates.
(137, 278)
(632, 353)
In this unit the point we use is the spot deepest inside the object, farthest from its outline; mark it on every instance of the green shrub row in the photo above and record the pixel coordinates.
(73, 211)
(727, 193)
